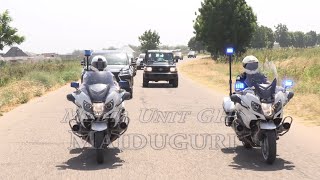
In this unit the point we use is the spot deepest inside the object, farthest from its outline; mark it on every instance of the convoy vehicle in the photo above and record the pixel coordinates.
(160, 66)
(177, 55)
(140, 61)
(192, 54)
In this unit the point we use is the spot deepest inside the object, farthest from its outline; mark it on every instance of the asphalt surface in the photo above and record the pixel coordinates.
(174, 133)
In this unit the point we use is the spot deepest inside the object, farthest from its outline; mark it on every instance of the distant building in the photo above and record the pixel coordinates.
(15, 52)
(50, 55)
(276, 45)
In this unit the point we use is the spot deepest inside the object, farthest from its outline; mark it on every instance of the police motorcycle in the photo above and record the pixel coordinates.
(255, 111)
(100, 114)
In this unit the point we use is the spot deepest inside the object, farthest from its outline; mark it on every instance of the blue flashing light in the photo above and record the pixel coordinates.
(75, 85)
(239, 86)
(288, 83)
(230, 51)
(87, 52)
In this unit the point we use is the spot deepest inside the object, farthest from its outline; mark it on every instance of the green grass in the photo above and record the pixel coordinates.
(20, 82)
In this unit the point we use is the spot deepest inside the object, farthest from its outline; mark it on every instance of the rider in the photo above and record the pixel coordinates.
(249, 77)
(99, 64)
(251, 74)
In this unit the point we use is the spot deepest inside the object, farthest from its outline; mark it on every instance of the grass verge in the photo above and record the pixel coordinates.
(20, 82)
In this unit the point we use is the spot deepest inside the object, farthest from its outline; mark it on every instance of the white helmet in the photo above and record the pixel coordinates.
(251, 64)
(99, 62)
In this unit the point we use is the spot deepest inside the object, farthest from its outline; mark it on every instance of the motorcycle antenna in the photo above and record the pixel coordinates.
(230, 52)
(87, 53)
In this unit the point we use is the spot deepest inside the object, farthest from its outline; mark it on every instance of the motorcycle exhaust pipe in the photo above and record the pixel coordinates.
(286, 126)
(75, 128)
(123, 125)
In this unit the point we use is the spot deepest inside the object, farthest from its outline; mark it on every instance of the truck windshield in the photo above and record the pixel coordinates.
(160, 57)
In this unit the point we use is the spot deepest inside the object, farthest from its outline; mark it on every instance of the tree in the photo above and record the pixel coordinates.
(149, 40)
(318, 37)
(282, 35)
(298, 39)
(225, 22)
(263, 37)
(195, 45)
(311, 39)
(8, 36)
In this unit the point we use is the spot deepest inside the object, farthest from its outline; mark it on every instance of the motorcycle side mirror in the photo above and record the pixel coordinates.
(75, 85)
(71, 98)
(126, 96)
(236, 99)
(290, 95)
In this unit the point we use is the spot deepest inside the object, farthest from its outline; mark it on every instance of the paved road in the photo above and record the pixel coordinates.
(175, 133)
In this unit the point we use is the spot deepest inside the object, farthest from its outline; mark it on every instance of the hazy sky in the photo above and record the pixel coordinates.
(64, 25)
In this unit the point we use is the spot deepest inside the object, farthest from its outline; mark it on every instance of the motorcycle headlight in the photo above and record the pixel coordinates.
(277, 106)
(98, 109)
(148, 69)
(109, 106)
(87, 106)
(173, 69)
(256, 107)
(267, 109)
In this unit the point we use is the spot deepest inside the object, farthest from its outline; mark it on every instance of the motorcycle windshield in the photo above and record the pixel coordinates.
(97, 85)
(160, 58)
(266, 92)
(264, 81)
(101, 77)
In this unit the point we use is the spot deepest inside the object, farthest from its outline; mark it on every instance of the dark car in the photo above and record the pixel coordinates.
(160, 66)
(119, 65)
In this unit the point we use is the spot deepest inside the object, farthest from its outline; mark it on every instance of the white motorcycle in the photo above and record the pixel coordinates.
(100, 115)
(256, 115)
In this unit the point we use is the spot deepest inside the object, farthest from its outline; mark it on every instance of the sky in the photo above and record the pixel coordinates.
(62, 26)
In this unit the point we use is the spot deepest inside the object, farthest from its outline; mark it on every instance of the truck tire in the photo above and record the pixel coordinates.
(145, 82)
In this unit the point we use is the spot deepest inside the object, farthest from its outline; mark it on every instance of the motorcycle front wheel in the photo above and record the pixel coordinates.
(98, 144)
(269, 146)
